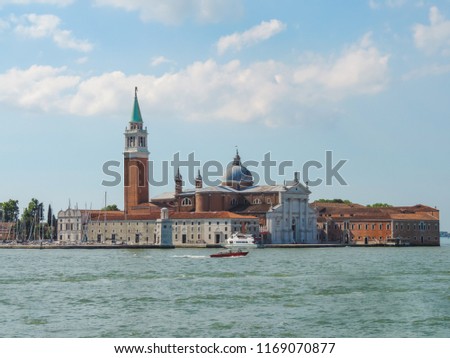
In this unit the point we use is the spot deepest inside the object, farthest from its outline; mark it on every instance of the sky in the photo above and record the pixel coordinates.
(368, 81)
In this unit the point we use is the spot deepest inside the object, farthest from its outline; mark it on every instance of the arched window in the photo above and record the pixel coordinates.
(234, 202)
(186, 202)
(256, 201)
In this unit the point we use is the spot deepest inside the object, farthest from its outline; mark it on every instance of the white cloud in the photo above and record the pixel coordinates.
(435, 37)
(268, 92)
(82, 60)
(38, 26)
(426, 71)
(41, 87)
(159, 60)
(29, 2)
(261, 32)
(4, 25)
(359, 69)
(175, 11)
(374, 4)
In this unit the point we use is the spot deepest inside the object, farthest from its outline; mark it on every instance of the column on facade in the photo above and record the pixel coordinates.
(289, 225)
(305, 204)
(283, 220)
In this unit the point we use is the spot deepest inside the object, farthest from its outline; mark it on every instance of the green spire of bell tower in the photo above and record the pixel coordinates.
(136, 115)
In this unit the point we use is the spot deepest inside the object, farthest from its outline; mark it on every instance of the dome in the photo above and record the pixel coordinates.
(237, 175)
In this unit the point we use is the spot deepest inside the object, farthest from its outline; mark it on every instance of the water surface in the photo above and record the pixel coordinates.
(332, 292)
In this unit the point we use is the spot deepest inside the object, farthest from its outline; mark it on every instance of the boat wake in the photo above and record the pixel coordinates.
(190, 256)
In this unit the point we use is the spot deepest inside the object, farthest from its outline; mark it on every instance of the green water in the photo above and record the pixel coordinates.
(333, 292)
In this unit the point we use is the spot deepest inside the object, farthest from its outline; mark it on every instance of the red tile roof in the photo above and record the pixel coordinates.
(120, 215)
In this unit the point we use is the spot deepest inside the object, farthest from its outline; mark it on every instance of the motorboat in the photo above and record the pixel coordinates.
(241, 240)
(229, 253)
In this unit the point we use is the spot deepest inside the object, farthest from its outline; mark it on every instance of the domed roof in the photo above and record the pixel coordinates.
(237, 174)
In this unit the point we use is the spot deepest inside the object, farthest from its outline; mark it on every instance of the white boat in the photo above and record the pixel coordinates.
(241, 240)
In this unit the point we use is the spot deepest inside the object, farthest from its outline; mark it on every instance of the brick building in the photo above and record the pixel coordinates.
(360, 225)
(7, 231)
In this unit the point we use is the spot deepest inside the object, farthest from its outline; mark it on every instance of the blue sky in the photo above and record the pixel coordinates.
(369, 80)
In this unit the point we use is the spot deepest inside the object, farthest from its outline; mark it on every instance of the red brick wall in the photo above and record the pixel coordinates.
(135, 182)
(418, 232)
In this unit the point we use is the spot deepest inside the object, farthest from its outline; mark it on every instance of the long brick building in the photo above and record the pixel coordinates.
(356, 224)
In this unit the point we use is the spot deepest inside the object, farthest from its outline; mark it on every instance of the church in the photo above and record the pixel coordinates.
(199, 216)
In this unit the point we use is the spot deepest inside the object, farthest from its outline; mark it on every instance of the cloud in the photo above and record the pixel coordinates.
(82, 60)
(373, 4)
(29, 2)
(39, 26)
(267, 92)
(359, 69)
(434, 38)
(41, 87)
(256, 34)
(159, 60)
(176, 11)
(426, 71)
(4, 25)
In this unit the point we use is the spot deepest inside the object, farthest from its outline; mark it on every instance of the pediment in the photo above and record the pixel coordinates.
(299, 189)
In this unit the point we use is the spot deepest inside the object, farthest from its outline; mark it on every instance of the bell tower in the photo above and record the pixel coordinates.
(135, 161)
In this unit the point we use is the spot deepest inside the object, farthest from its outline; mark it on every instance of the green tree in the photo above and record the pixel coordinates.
(10, 210)
(31, 218)
(52, 223)
(112, 207)
(379, 205)
(337, 201)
